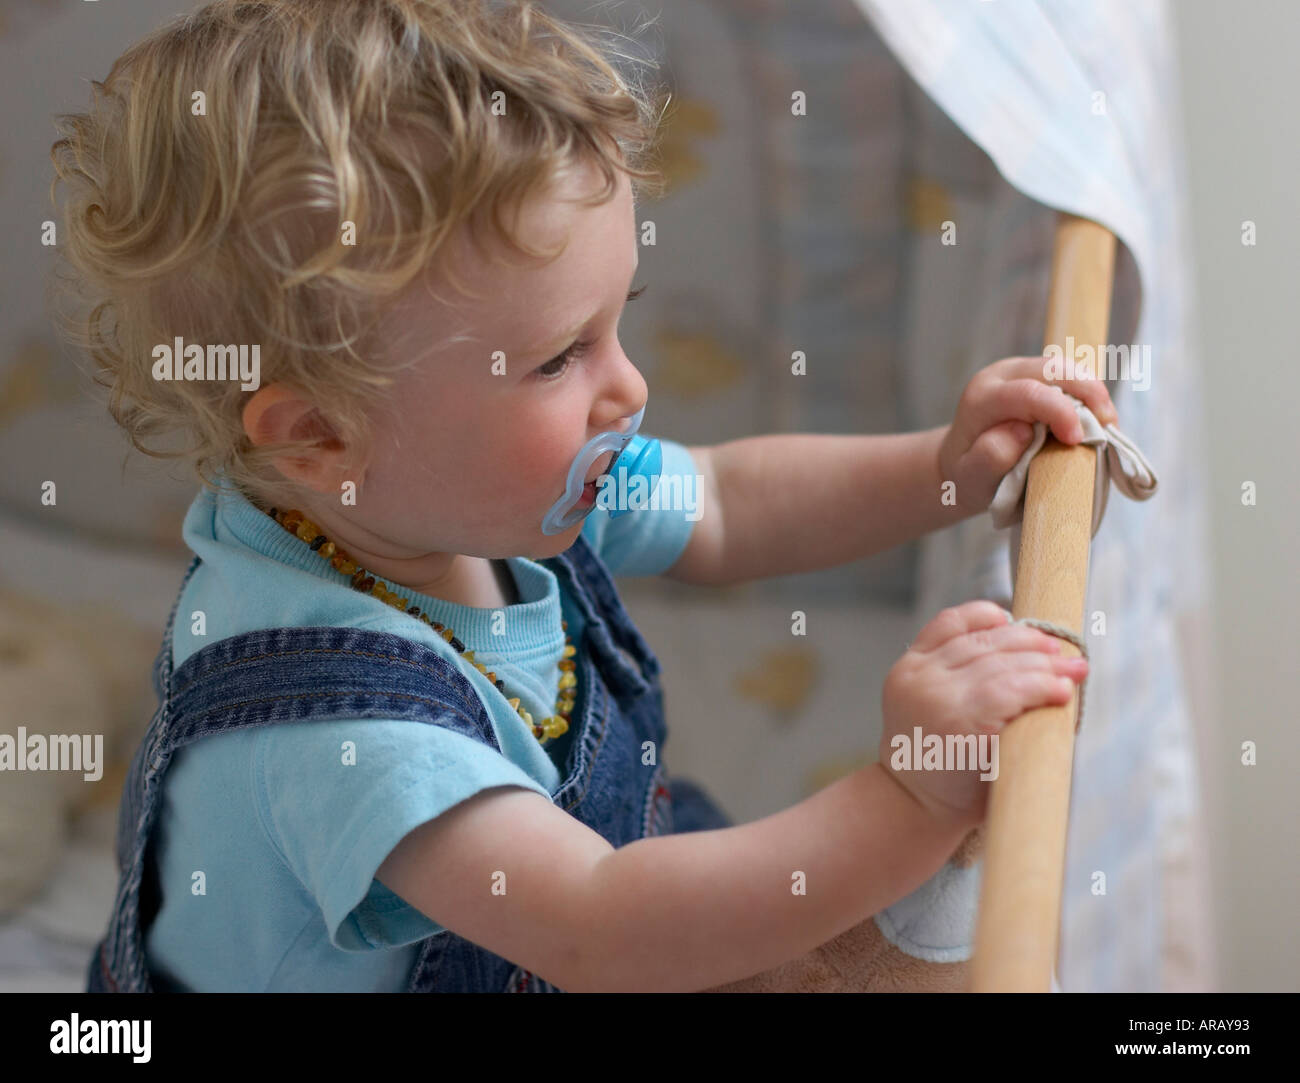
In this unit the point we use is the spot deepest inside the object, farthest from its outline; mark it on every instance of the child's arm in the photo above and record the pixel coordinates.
(800, 502)
(509, 870)
(668, 913)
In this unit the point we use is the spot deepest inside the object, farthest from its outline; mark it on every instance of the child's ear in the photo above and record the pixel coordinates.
(278, 413)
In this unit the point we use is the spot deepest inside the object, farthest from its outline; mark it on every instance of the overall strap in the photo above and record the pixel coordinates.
(618, 645)
(130, 810)
(308, 674)
(118, 963)
(255, 679)
(260, 678)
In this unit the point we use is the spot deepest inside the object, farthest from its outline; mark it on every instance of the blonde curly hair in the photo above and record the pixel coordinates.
(405, 118)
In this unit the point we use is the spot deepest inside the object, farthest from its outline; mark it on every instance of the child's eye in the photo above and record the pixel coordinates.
(549, 371)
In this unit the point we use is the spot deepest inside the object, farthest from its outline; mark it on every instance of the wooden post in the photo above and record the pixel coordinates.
(1017, 931)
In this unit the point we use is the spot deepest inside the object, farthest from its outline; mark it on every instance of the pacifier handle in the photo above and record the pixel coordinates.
(635, 456)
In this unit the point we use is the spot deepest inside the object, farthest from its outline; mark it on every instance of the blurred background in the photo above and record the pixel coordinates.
(817, 233)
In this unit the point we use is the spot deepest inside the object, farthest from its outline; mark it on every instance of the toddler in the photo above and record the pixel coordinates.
(369, 259)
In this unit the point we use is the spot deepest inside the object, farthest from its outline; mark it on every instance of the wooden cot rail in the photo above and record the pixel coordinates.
(1017, 929)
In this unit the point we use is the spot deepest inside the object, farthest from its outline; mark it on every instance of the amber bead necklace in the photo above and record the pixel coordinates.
(362, 581)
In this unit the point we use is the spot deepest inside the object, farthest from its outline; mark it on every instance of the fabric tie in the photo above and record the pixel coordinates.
(1118, 460)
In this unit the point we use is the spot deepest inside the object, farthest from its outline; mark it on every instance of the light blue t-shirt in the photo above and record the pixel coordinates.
(288, 838)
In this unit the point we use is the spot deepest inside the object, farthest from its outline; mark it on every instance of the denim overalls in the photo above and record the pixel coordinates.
(296, 674)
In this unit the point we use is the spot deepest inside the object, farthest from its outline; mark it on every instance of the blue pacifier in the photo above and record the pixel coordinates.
(634, 457)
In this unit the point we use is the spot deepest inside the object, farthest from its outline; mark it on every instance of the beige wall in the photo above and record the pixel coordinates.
(1240, 86)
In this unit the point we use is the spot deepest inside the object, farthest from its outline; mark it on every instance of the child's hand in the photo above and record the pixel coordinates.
(970, 671)
(994, 422)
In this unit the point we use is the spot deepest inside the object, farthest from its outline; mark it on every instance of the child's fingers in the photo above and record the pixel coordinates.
(1076, 381)
(1089, 390)
(962, 650)
(1002, 693)
(998, 449)
(1048, 403)
(990, 668)
(1027, 400)
(958, 620)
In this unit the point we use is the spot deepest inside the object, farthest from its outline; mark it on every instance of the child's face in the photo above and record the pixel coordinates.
(478, 456)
